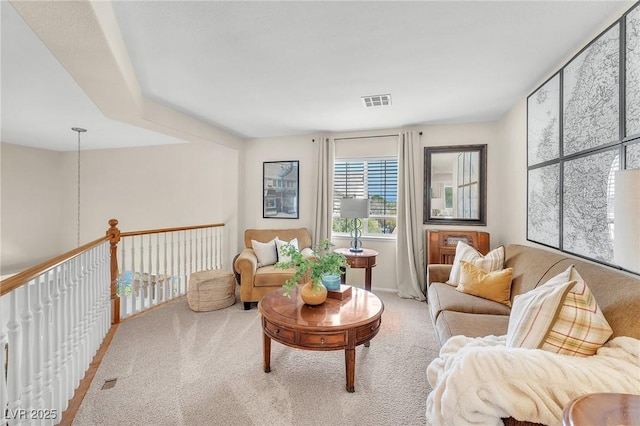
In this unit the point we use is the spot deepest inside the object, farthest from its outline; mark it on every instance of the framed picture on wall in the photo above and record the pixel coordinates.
(280, 190)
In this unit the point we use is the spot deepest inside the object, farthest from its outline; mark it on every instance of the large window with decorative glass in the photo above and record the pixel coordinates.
(373, 178)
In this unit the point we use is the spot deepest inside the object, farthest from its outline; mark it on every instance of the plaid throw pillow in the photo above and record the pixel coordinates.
(560, 316)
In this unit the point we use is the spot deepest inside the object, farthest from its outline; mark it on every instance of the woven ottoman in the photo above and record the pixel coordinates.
(211, 290)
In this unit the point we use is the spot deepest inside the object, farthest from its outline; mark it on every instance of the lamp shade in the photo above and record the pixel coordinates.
(437, 203)
(626, 239)
(354, 208)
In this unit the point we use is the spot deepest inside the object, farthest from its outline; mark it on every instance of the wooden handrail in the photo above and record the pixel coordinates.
(9, 284)
(157, 231)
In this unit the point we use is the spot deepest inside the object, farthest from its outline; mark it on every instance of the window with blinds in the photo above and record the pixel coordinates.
(376, 179)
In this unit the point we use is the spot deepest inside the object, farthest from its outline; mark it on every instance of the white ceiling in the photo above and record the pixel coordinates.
(263, 68)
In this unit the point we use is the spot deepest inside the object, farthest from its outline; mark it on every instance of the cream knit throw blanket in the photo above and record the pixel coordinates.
(477, 381)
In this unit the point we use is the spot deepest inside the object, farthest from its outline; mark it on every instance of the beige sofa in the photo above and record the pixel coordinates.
(455, 313)
(256, 281)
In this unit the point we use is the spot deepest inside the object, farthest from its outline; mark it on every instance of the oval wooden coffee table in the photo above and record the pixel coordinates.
(334, 325)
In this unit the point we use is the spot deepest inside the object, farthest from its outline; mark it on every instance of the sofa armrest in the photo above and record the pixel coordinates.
(246, 265)
(438, 273)
(246, 262)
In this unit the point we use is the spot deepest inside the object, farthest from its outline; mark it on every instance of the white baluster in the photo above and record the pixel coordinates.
(136, 284)
(57, 325)
(47, 342)
(185, 261)
(14, 328)
(75, 324)
(85, 285)
(173, 269)
(122, 288)
(38, 342)
(64, 316)
(4, 343)
(26, 394)
(150, 275)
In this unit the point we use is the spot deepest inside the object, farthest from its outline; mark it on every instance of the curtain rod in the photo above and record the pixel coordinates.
(367, 137)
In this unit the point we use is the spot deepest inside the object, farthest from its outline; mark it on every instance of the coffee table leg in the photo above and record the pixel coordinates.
(266, 352)
(350, 364)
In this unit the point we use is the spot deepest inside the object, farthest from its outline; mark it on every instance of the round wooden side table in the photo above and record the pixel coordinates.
(363, 259)
(603, 409)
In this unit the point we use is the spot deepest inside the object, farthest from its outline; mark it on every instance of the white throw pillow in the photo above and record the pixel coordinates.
(265, 252)
(493, 261)
(280, 244)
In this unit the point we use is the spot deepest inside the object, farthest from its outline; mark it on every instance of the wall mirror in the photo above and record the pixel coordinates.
(455, 189)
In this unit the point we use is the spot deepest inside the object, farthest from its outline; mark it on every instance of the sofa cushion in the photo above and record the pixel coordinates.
(493, 261)
(560, 316)
(451, 323)
(444, 297)
(270, 276)
(494, 285)
(266, 253)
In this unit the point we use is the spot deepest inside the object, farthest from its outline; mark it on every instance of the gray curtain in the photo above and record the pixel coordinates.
(323, 206)
(409, 234)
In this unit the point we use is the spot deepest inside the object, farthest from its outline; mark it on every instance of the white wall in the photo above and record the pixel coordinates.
(301, 148)
(30, 209)
(144, 188)
(512, 176)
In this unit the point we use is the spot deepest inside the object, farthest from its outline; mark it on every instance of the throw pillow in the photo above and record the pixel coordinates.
(280, 244)
(493, 261)
(265, 252)
(560, 316)
(494, 286)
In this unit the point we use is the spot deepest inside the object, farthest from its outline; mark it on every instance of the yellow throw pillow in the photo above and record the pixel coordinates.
(494, 286)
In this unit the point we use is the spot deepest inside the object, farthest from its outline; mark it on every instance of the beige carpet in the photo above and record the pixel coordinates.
(177, 367)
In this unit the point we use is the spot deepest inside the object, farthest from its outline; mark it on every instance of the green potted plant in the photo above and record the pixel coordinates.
(323, 262)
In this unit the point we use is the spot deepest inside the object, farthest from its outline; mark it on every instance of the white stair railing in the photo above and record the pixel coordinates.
(53, 318)
(155, 265)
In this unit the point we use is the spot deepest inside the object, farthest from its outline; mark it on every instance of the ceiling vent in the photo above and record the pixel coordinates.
(376, 100)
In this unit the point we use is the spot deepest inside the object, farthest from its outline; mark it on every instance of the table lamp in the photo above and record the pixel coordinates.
(356, 209)
(626, 239)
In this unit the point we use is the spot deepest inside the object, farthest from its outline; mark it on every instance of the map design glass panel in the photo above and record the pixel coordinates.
(588, 185)
(633, 156)
(543, 222)
(591, 95)
(633, 72)
(543, 118)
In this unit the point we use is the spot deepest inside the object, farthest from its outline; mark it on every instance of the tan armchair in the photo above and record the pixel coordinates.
(256, 281)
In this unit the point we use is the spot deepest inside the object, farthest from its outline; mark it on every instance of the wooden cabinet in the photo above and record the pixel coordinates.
(441, 244)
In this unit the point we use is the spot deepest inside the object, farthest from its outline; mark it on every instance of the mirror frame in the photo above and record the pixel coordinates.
(482, 178)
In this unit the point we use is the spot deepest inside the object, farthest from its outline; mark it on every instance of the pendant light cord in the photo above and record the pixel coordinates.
(78, 130)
